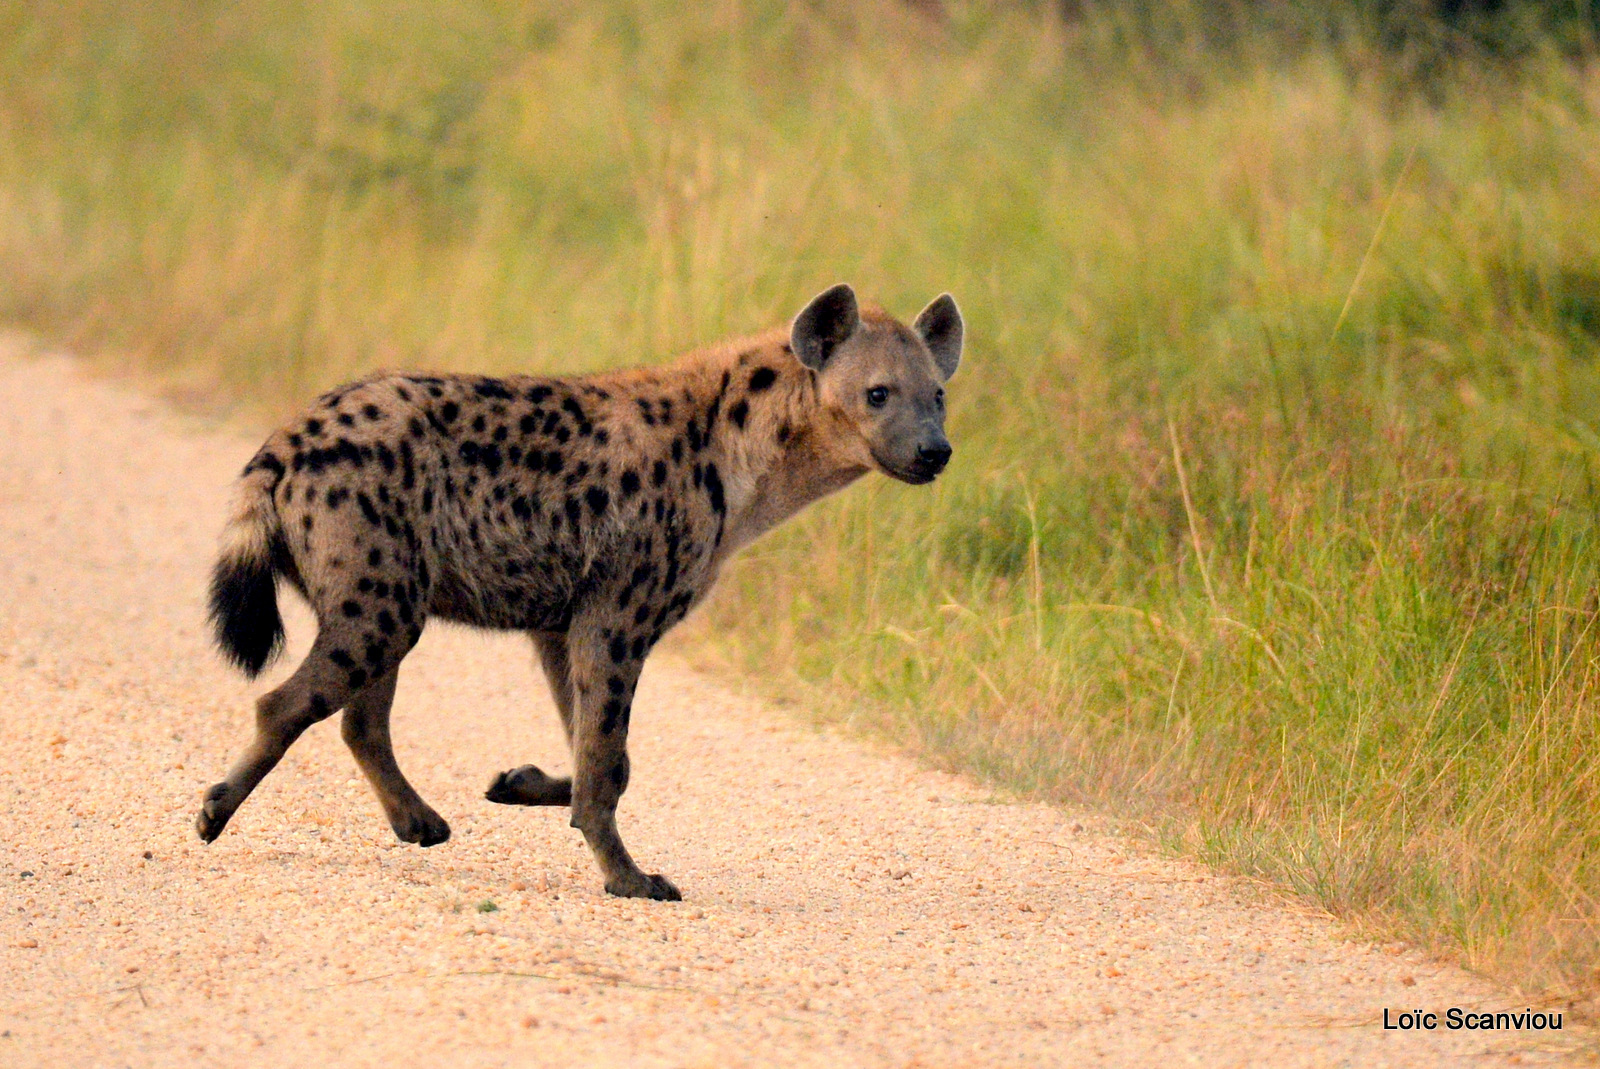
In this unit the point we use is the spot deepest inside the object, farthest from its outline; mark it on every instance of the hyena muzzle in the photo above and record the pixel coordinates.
(592, 513)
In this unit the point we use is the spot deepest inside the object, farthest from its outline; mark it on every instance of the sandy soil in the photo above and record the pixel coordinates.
(842, 907)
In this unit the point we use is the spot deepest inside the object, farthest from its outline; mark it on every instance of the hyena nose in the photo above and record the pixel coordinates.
(935, 456)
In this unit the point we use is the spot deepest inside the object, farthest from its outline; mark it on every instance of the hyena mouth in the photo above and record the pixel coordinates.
(917, 473)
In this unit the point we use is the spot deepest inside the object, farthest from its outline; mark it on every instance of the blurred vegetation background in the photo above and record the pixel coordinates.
(1272, 524)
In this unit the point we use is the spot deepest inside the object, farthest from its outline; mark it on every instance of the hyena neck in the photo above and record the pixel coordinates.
(771, 440)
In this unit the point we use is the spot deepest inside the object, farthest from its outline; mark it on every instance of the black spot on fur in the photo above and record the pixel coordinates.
(367, 509)
(619, 649)
(598, 499)
(319, 706)
(351, 609)
(613, 714)
(738, 413)
(341, 658)
(537, 393)
(449, 411)
(658, 474)
(489, 455)
(714, 487)
(630, 483)
(372, 412)
(358, 679)
(762, 378)
(267, 462)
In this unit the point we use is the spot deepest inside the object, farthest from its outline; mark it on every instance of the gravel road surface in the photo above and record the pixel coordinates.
(842, 906)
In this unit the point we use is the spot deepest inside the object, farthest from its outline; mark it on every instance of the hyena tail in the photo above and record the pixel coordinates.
(244, 586)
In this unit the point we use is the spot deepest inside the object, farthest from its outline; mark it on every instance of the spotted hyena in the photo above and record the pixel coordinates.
(591, 513)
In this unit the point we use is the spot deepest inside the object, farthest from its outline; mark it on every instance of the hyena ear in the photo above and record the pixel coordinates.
(819, 329)
(940, 327)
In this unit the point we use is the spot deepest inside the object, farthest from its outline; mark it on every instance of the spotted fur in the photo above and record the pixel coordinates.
(592, 513)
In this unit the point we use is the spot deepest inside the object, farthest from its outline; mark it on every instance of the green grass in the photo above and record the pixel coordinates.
(1273, 520)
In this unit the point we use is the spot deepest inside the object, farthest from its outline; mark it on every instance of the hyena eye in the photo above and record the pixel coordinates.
(878, 396)
(938, 399)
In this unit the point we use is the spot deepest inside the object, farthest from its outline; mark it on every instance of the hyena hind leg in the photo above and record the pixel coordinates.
(316, 690)
(365, 729)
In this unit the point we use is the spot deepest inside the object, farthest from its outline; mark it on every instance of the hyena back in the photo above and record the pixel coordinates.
(592, 513)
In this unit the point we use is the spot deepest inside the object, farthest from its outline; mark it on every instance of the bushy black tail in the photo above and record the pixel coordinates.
(244, 585)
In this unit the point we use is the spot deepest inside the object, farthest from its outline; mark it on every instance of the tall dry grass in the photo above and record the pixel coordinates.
(1273, 517)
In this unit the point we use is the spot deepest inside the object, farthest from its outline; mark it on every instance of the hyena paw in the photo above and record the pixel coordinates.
(214, 812)
(425, 828)
(529, 785)
(642, 885)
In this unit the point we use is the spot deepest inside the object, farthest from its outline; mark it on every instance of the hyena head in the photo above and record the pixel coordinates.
(881, 384)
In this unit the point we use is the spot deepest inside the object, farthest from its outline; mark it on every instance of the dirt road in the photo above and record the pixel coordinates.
(842, 907)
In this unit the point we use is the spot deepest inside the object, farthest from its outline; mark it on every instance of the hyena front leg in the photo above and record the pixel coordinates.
(366, 731)
(530, 785)
(605, 667)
